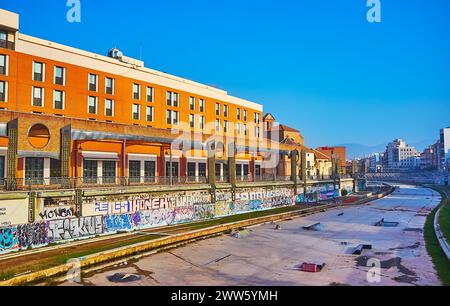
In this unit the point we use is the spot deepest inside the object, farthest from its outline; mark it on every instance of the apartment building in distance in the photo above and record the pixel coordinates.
(444, 149)
(69, 113)
(400, 156)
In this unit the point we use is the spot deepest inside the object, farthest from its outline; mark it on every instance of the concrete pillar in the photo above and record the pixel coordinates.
(212, 164)
(253, 168)
(79, 202)
(355, 175)
(12, 158)
(232, 164)
(303, 171)
(32, 207)
(294, 167)
(124, 163)
(161, 163)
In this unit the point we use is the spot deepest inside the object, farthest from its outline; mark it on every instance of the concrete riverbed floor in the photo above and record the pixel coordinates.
(265, 255)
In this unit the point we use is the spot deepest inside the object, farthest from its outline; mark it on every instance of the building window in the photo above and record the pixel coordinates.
(169, 117)
(217, 125)
(3, 38)
(59, 75)
(202, 169)
(109, 171)
(192, 120)
(109, 86)
(217, 109)
(257, 170)
(225, 110)
(150, 92)
(149, 114)
(90, 171)
(135, 171)
(38, 71)
(191, 169)
(239, 128)
(257, 118)
(58, 99)
(225, 126)
(202, 122)
(175, 167)
(92, 105)
(245, 130)
(201, 104)
(136, 112)
(109, 108)
(3, 86)
(149, 171)
(172, 98)
(175, 116)
(136, 91)
(3, 64)
(245, 115)
(238, 114)
(192, 103)
(257, 132)
(93, 82)
(38, 96)
(34, 171)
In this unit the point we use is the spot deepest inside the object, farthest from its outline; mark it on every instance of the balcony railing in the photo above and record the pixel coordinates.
(7, 45)
(53, 183)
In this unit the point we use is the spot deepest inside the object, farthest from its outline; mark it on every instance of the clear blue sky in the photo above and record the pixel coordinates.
(317, 65)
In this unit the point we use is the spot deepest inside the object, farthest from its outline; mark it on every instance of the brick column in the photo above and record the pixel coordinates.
(12, 158)
(65, 154)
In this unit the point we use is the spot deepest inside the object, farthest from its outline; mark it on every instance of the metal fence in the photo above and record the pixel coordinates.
(53, 183)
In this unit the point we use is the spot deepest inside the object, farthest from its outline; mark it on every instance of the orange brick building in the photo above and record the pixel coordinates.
(339, 153)
(67, 113)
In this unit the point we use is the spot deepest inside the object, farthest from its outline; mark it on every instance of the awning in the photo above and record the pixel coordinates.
(100, 156)
(38, 154)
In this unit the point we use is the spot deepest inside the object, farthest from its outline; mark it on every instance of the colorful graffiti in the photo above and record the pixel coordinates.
(165, 211)
(8, 238)
(32, 235)
(70, 229)
(112, 206)
(54, 213)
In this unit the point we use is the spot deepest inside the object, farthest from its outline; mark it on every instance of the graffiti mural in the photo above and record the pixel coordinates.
(54, 213)
(8, 239)
(204, 211)
(32, 235)
(117, 223)
(69, 229)
(103, 215)
(145, 202)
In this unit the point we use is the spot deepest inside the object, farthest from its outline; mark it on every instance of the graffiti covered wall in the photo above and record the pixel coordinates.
(123, 213)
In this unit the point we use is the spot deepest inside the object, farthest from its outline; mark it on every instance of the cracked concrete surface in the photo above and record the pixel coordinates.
(271, 257)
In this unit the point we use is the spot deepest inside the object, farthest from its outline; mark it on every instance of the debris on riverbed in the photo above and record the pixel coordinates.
(312, 267)
(317, 227)
(360, 249)
(384, 223)
(124, 278)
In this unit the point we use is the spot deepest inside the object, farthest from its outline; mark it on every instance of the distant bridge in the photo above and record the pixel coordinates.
(409, 177)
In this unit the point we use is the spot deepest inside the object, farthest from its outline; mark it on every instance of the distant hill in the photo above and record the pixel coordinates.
(355, 150)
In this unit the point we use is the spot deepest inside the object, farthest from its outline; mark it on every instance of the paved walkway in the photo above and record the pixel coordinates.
(271, 257)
